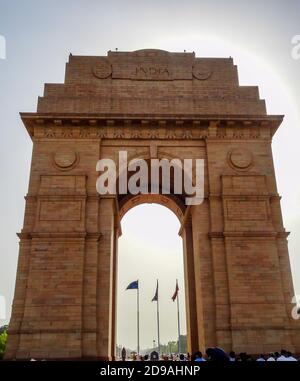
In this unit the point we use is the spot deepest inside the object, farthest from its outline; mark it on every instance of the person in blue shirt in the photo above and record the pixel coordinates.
(199, 357)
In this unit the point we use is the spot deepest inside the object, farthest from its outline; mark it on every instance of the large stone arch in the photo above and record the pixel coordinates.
(153, 104)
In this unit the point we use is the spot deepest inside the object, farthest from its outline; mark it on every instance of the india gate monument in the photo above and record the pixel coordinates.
(153, 104)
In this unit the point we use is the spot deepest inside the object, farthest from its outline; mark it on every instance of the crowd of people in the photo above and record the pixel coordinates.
(214, 354)
(217, 354)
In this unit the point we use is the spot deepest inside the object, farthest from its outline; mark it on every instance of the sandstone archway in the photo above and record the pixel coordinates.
(151, 103)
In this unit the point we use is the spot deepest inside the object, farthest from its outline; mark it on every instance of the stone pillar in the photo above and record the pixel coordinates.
(190, 288)
(219, 263)
(105, 278)
(290, 299)
(221, 291)
(19, 299)
(114, 292)
(89, 330)
(204, 278)
(285, 269)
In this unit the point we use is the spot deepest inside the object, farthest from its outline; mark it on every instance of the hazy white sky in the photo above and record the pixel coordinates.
(39, 37)
(149, 249)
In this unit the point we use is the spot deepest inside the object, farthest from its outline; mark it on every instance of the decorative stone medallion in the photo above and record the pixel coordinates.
(201, 71)
(65, 159)
(102, 69)
(240, 159)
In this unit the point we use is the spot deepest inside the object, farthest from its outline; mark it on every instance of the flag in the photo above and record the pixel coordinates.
(176, 292)
(155, 297)
(133, 285)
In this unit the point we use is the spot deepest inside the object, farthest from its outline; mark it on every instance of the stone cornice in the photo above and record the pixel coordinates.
(283, 234)
(248, 196)
(49, 330)
(211, 126)
(249, 234)
(60, 236)
(78, 117)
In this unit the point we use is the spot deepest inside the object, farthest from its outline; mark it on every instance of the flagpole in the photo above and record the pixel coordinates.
(178, 319)
(138, 319)
(157, 306)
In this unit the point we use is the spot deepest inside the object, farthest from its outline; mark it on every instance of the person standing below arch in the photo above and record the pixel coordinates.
(123, 354)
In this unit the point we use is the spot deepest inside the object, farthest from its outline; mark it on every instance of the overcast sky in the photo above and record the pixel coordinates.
(39, 37)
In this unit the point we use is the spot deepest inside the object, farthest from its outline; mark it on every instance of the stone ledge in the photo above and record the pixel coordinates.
(61, 235)
(250, 234)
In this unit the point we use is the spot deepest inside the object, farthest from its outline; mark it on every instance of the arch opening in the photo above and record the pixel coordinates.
(150, 249)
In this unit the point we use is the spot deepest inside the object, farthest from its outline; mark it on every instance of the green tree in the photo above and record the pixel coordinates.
(172, 346)
(3, 340)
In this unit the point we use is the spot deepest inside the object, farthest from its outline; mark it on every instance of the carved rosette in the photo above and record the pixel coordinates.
(201, 71)
(65, 160)
(102, 69)
(240, 159)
